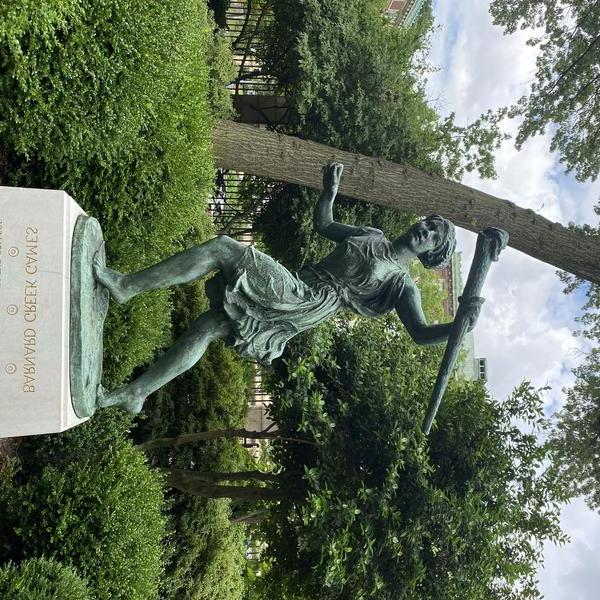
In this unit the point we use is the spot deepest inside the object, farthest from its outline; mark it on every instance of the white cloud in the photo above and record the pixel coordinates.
(526, 323)
(572, 571)
(473, 68)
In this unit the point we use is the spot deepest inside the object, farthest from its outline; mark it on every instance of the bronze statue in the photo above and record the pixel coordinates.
(257, 305)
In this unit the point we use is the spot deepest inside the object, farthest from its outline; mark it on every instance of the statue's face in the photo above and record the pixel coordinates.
(426, 235)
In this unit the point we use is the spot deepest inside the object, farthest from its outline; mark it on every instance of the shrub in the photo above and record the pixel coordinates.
(391, 513)
(86, 442)
(108, 100)
(41, 579)
(101, 515)
(206, 557)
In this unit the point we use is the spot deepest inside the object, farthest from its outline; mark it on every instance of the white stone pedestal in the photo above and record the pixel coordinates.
(36, 228)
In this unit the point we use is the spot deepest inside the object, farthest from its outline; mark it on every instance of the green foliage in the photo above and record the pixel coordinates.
(107, 100)
(41, 579)
(106, 428)
(575, 440)
(207, 559)
(564, 95)
(206, 554)
(381, 4)
(432, 294)
(100, 514)
(348, 72)
(471, 147)
(221, 72)
(389, 512)
(356, 82)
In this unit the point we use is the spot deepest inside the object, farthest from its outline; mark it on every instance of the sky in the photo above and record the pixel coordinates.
(526, 324)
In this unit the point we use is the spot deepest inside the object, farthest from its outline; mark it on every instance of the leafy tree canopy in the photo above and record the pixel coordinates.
(356, 82)
(576, 433)
(566, 89)
(390, 513)
(576, 436)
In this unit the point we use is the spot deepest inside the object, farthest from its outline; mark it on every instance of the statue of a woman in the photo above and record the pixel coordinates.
(257, 305)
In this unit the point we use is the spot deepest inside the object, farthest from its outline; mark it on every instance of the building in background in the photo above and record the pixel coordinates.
(404, 12)
(451, 282)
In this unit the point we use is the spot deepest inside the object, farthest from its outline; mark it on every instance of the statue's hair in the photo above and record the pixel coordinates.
(440, 256)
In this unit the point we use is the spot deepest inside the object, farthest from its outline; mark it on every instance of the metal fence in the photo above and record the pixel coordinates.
(256, 98)
(237, 202)
(246, 19)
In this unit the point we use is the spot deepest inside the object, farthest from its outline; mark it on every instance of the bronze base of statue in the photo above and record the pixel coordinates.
(89, 305)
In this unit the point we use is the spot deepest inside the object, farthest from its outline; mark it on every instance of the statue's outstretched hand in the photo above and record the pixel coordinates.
(497, 241)
(471, 307)
(332, 175)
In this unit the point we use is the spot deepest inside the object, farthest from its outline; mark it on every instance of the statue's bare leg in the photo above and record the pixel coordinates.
(184, 354)
(220, 253)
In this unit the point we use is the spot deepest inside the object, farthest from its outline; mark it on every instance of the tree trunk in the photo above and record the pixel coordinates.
(190, 438)
(187, 482)
(252, 518)
(258, 152)
(216, 476)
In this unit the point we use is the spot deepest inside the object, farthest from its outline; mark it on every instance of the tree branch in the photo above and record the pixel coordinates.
(572, 100)
(185, 481)
(581, 19)
(286, 158)
(251, 518)
(216, 476)
(245, 24)
(574, 64)
(190, 438)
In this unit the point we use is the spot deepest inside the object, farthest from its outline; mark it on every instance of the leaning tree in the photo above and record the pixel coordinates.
(286, 158)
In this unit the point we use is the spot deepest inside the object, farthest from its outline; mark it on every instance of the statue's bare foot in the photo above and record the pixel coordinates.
(110, 279)
(122, 398)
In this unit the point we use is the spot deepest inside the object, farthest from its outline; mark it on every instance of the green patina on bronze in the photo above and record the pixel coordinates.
(257, 305)
(89, 304)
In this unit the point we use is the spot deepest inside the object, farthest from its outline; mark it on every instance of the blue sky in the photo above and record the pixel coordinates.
(526, 325)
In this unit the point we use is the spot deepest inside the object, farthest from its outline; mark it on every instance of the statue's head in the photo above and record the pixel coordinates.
(434, 241)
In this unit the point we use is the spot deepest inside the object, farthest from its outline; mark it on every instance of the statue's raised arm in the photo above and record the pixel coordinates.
(323, 217)
(257, 305)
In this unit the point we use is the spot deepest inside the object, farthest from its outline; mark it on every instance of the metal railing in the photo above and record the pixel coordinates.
(256, 98)
(246, 19)
(237, 201)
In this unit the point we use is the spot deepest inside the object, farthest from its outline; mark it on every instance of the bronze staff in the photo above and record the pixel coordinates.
(490, 243)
